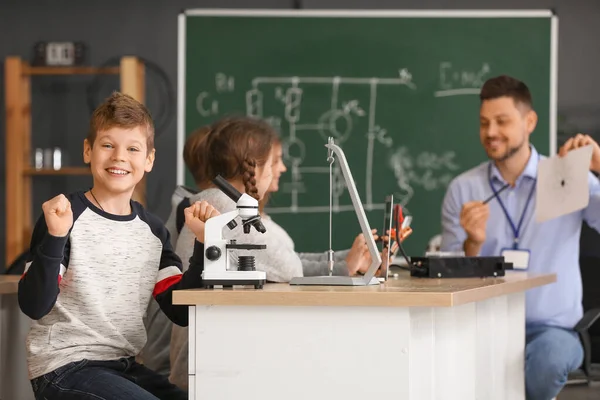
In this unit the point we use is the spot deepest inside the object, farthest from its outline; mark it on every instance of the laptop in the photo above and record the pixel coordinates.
(369, 277)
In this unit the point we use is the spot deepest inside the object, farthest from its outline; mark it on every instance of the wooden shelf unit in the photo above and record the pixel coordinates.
(72, 71)
(19, 172)
(62, 171)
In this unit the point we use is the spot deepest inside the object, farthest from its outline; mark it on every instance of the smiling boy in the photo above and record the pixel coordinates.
(96, 258)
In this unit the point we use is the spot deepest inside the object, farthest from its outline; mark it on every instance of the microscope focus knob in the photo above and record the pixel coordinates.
(213, 253)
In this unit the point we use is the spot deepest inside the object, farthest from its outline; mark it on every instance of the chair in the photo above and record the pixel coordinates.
(588, 332)
(583, 328)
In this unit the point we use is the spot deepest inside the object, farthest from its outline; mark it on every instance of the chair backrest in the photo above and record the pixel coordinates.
(590, 276)
(17, 267)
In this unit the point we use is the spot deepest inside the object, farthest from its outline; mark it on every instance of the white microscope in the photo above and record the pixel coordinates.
(218, 270)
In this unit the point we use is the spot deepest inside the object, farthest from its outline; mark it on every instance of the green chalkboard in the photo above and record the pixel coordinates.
(398, 91)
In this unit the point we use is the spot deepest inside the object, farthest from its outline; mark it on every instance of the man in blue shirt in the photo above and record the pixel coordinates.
(508, 222)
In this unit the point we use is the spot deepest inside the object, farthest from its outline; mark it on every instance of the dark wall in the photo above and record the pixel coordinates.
(109, 28)
(149, 29)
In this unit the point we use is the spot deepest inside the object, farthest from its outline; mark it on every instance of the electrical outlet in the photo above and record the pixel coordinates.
(58, 53)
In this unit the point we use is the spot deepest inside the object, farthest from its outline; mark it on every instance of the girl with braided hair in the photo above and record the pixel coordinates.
(155, 354)
(239, 150)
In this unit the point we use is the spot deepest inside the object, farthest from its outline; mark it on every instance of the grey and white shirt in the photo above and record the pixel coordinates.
(88, 291)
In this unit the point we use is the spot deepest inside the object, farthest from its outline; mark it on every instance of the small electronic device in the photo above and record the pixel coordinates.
(458, 267)
(406, 221)
(386, 246)
(58, 54)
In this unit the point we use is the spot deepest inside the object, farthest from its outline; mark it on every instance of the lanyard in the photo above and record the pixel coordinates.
(516, 229)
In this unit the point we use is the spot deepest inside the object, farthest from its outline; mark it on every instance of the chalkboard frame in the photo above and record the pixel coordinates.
(181, 45)
(550, 15)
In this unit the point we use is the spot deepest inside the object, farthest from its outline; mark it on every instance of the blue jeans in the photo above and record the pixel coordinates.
(105, 380)
(550, 354)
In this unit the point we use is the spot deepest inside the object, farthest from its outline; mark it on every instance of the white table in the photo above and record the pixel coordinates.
(410, 338)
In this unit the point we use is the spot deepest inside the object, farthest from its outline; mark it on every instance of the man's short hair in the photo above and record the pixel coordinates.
(506, 86)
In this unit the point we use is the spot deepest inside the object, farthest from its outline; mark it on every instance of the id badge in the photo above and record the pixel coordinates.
(519, 258)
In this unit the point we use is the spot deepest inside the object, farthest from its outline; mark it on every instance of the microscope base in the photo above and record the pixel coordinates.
(234, 278)
(227, 283)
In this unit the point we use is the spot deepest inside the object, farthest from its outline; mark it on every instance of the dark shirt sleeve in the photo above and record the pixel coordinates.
(47, 262)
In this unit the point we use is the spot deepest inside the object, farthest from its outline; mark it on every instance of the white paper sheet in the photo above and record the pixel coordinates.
(562, 184)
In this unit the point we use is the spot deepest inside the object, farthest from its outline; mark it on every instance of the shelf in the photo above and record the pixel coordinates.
(21, 174)
(62, 171)
(71, 70)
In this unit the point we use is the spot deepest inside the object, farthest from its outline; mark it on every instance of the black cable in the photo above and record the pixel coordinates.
(409, 265)
(404, 267)
(408, 262)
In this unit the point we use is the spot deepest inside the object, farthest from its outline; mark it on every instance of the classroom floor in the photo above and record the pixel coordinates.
(580, 392)
(583, 391)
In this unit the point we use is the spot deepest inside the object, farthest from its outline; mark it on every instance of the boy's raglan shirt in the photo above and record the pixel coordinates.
(155, 354)
(87, 292)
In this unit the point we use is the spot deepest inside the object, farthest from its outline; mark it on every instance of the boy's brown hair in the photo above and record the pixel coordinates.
(194, 154)
(234, 148)
(121, 111)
